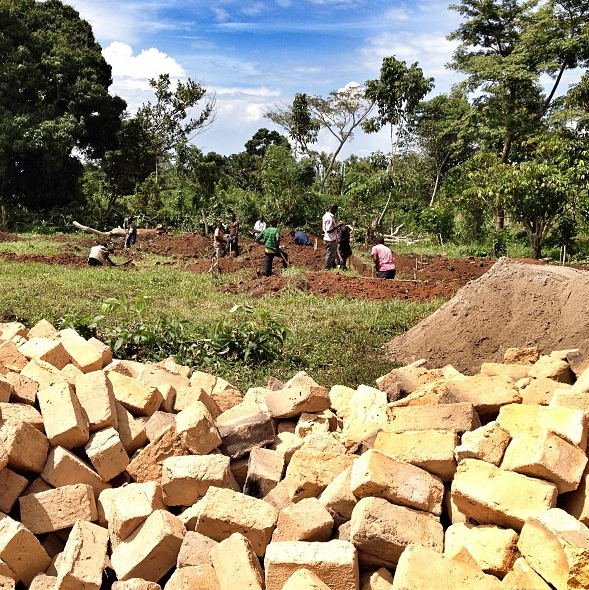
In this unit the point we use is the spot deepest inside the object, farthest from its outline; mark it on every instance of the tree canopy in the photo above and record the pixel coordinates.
(54, 102)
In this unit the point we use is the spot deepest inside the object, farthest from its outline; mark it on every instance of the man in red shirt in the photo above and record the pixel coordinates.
(384, 263)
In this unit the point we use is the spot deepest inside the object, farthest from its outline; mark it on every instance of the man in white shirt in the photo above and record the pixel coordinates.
(99, 256)
(259, 226)
(330, 227)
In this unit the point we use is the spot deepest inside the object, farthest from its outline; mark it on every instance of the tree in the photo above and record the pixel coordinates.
(505, 46)
(262, 140)
(396, 93)
(167, 121)
(298, 121)
(54, 102)
(340, 113)
(443, 134)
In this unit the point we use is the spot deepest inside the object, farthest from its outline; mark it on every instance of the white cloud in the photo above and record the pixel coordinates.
(221, 14)
(397, 15)
(259, 92)
(253, 9)
(149, 63)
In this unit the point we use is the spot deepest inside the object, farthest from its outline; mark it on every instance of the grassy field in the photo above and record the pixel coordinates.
(336, 340)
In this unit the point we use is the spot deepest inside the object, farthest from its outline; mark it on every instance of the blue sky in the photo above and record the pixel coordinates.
(257, 53)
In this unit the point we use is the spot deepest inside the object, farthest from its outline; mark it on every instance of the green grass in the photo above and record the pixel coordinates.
(336, 340)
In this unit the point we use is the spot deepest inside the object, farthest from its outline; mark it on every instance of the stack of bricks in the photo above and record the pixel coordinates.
(127, 475)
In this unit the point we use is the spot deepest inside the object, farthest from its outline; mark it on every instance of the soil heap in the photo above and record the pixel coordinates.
(512, 304)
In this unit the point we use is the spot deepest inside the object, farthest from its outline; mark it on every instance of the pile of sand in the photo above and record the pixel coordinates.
(513, 304)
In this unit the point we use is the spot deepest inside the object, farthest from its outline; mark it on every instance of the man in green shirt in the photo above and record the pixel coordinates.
(270, 237)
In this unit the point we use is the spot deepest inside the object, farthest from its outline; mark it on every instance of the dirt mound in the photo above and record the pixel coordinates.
(513, 304)
(4, 237)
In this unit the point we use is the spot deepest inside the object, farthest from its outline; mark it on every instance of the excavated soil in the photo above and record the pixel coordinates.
(419, 278)
(513, 304)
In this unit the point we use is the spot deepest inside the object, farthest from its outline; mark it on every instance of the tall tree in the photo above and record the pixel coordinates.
(396, 93)
(167, 121)
(505, 47)
(443, 134)
(54, 102)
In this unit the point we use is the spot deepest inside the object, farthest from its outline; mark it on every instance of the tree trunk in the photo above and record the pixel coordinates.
(4, 219)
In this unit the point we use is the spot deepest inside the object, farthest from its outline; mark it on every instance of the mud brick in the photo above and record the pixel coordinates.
(486, 393)
(84, 558)
(27, 448)
(11, 487)
(242, 570)
(265, 469)
(381, 579)
(556, 545)
(186, 396)
(147, 465)
(340, 397)
(85, 356)
(189, 516)
(186, 479)
(46, 349)
(171, 364)
(95, 395)
(520, 419)
(300, 379)
(307, 520)
(335, 563)
(458, 417)
(151, 551)
(338, 498)
(243, 428)
(576, 503)
(311, 470)
(37, 485)
(43, 582)
(65, 422)
(129, 508)
(200, 577)
(491, 495)
(513, 371)
(21, 551)
(125, 367)
(151, 490)
(279, 497)
(553, 368)
(6, 389)
(197, 429)
(224, 512)
(195, 550)
(136, 584)
(43, 373)
(24, 389)
(569, 398)
(11, 359)
(157, 424)
(286, 443)
(405, 380)
(131, 430)
(11, 329)
(540, 391)
(293, 401)
(135, 396)
(107, 454)
(156, 375)
(71, 373)
(204, 381)
(523, 576)
(432, 450)
(421, 567)
(493, 548)
(384, 530)
(57, 509)
(42, 329)
(368, 406)
(487, 443)
(257, 395)
(304, 579)
(239, 470)
(547, 456)
(63, 468)
(376, 474)
(22, 413)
